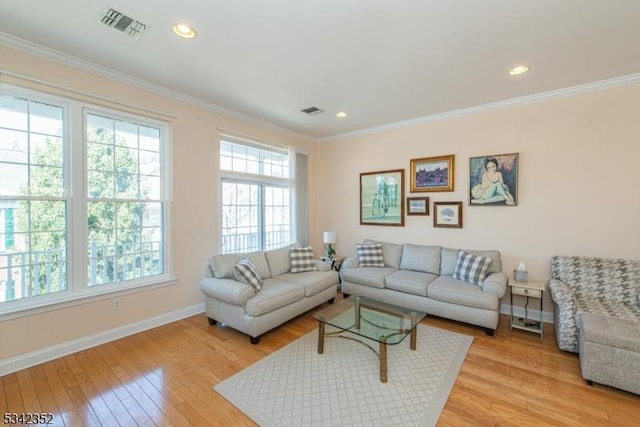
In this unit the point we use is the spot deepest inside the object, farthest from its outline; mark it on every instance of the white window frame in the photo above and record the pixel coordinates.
(75, 182)
(257, 179)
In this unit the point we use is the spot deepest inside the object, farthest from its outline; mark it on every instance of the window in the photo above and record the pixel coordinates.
(256, 197)
(79, 215)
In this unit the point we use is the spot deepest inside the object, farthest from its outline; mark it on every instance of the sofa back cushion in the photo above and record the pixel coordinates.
(222, 265)
(421, 258)
(278, 260)
(449, 257)
(391, 252)
(605, 279)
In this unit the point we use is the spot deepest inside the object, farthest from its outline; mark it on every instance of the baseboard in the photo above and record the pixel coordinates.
(37, 357)
(547, 316)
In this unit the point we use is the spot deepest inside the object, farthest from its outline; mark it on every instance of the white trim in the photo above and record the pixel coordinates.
(82, 65)
(494, 106)
(37, 357)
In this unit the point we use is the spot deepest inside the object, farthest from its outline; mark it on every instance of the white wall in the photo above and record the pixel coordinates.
(195, 148)
(578, 180)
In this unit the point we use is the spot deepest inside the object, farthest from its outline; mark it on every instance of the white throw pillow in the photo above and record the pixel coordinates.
(370, 255)
(301, 259)
(471, 268)
(246, 272)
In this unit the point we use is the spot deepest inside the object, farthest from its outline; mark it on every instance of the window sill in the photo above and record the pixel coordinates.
(60, 302)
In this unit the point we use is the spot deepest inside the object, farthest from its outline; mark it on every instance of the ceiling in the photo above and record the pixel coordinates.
(384, 62)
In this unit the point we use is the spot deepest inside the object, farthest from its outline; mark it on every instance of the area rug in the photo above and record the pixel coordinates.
(296, 386)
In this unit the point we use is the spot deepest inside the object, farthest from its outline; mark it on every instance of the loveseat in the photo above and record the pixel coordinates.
(424, 278)
(291, 282)
(597, 314)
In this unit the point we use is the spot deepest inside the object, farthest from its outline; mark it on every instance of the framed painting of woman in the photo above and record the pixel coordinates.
(493, 180)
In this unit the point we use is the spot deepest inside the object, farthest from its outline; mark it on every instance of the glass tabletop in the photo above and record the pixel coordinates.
(371, 319)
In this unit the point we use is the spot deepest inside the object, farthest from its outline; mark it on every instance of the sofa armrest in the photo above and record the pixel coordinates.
(564, 316)
(321, 265)
(227, 290)
(350, 262)
(562, 294)
(496, 284)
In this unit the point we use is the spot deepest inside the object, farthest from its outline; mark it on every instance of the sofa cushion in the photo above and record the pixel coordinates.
(369, 276)
(421, 258)
(260, 261)
(301, 259)
(410, 282)
(246, 272)
(454, 291)
(471, 268)
(275, 293)
(370, 255)
(222, 265)
(313, 281)
(278, 260)
(449, 257)
(391, 252)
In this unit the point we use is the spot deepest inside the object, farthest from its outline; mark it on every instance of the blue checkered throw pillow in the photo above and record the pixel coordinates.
(471, 268)
(370, 255)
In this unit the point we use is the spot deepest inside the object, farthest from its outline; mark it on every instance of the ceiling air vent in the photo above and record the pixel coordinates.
(312, 110)
(121, 22)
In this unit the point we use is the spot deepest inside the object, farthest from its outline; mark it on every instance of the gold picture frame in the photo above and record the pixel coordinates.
(432, 173)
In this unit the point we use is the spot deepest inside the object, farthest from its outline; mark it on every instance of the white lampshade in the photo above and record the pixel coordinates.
(330, 237)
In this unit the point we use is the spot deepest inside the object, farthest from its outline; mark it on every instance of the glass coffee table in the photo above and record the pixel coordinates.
(383, 323)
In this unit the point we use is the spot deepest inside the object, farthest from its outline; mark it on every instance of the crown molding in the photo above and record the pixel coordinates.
(13, 42)
(494, 106)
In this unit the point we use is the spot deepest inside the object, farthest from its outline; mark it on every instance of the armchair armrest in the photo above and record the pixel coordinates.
(564, 319)
(350, 262)
(496, 284)
(227, 290)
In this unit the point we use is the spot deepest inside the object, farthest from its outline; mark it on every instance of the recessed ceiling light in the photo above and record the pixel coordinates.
(341, 114)
(184, 31)
(520, 69)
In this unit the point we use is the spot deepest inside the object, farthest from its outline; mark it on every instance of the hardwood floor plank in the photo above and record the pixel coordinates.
(164, 376)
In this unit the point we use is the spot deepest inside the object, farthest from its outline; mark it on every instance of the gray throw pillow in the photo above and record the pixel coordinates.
(370, 255)
(471, 268)
(301, 259)
(246, 272)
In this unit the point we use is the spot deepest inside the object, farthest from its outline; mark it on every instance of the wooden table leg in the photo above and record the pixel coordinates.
(321, 325)
(383, 360)
(414, 333)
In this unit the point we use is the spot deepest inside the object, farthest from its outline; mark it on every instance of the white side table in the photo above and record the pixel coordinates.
(531, 289)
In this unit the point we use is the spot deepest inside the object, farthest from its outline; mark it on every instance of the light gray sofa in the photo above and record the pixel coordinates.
(283, 295)
(597, 314)
(420, 277)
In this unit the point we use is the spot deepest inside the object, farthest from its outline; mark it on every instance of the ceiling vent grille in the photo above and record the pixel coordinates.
(114, 19)
(312, 110)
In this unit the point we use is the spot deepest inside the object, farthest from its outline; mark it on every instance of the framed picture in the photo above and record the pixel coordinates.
(447, 214)
(382, 198)
(432, 173)
(493, 180)
(417, 206)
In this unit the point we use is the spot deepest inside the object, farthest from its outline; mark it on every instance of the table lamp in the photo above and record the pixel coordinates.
(330, 238)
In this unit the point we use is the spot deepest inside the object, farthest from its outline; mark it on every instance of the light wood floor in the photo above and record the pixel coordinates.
(164, 376)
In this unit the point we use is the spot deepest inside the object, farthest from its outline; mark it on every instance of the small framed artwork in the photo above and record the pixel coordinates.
(493, 180)
(432, 173)
(417, 206)
(447, 214)
(382, 198)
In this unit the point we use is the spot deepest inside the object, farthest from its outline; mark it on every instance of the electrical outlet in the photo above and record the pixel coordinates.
(116, 304)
